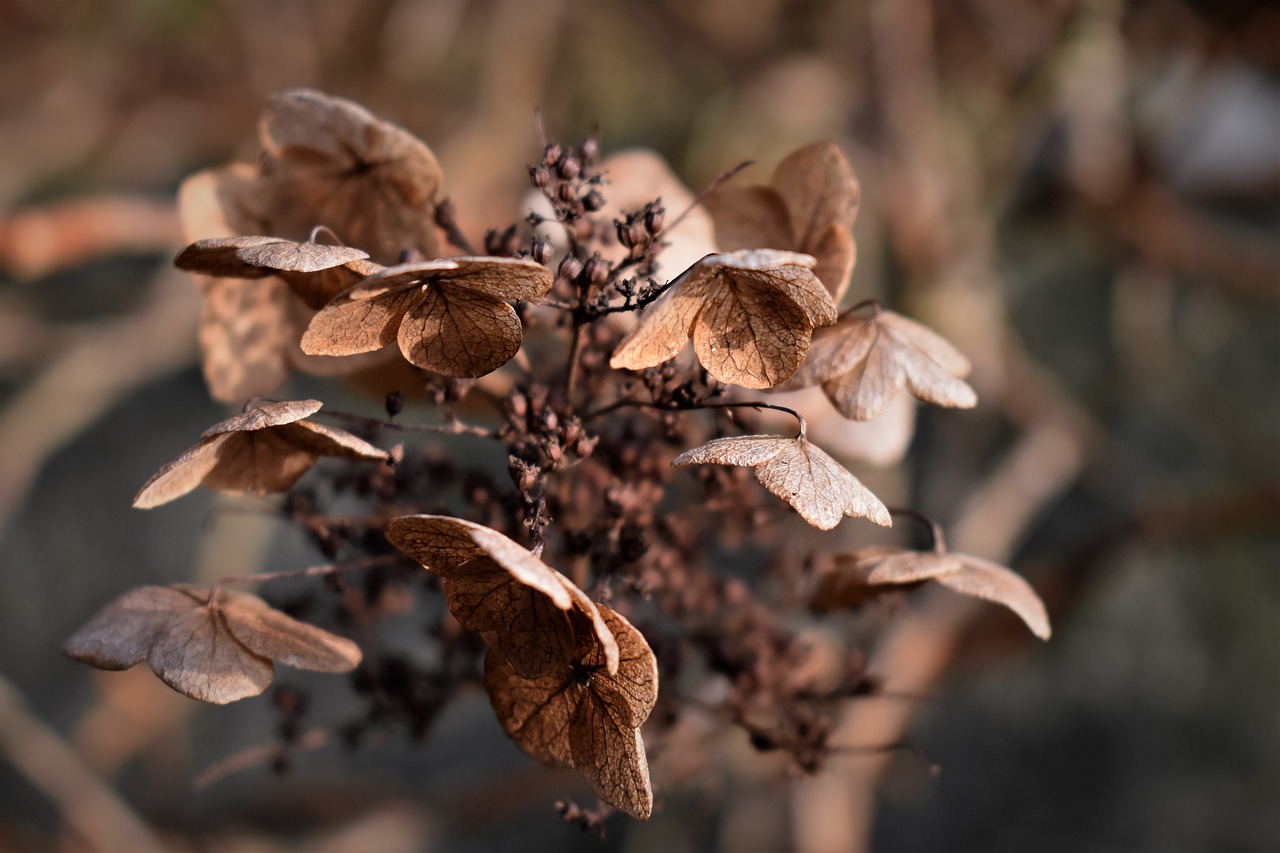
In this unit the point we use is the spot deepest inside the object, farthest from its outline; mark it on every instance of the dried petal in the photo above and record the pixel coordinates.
(863, 362)
(992, 581)
(665, 327)
(445, 545)
(459, 332)
(259, 256)
(214, 654)
(855, 574)
(798, 472)
(581, 716)
(809, 206)
(317, 289)
(242, 337)
(265, 449)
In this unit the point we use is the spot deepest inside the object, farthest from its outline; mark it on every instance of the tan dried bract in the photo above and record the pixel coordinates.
(498, 588)
(751, 315)
(265, 449)
(581, 715)
(329, 161)
(797, 471)
(808, 206)
(862, 362)
(855, 573)
(449, 316)
(217, 652)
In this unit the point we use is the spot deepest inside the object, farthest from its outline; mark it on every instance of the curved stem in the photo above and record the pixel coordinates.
(935, 529)
(693, 407)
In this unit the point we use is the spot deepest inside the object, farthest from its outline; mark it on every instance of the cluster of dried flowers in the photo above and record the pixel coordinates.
(326, 257)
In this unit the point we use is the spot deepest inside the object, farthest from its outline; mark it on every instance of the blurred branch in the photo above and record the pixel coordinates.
(109, 362)
(42, 240)
(87, 804)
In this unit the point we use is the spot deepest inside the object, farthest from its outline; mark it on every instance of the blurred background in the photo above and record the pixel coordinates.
(1082, 194)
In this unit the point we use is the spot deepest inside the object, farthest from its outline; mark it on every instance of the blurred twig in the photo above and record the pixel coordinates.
(87, 804)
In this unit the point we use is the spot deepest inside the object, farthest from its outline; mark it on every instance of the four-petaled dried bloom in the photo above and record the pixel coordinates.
(329, 161)
(449, 316)
(264, 449)
(583, 716)
(798, 472)
(853, 574)
(751, 315)
(809, 206)
(215, 651)
(863, 362)
(570, 680)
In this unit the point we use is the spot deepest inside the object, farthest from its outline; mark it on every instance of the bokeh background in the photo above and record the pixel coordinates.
(1083, 194)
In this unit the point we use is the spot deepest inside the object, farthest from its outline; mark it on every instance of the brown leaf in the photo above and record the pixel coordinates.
(329, 161)
(449, 316)
(453, 548)
(809, 206)
(584, 717)
(217, 653)
(265, 449)
(751, 315)
(854, 573)
(798, 472)
(863, 362)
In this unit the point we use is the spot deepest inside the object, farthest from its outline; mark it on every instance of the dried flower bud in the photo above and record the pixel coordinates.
(654, 214)
(569, 269)
(567, 193)
(631, 233)
(568, 167)
(524, 475)
(549, 420)
(589, 150)
(394, 403)
(540, 250)
(540, 176)
(597, 269)
(550, 155)
(593, 201)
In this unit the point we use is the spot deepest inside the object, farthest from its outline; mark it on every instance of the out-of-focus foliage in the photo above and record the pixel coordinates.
(1082, 194)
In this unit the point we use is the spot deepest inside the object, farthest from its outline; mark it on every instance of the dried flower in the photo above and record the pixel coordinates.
(449, 316)
(212, 650)
(264, 449)
(751, 315)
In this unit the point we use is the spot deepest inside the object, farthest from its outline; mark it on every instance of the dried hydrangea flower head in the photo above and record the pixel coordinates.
(214, 649)
(264, 449)
(449, 316)
(808, 206)
(751, 315)
(327, 162)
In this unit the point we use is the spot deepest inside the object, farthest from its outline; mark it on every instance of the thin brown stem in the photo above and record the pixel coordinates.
(935, 529)
(691, 407)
